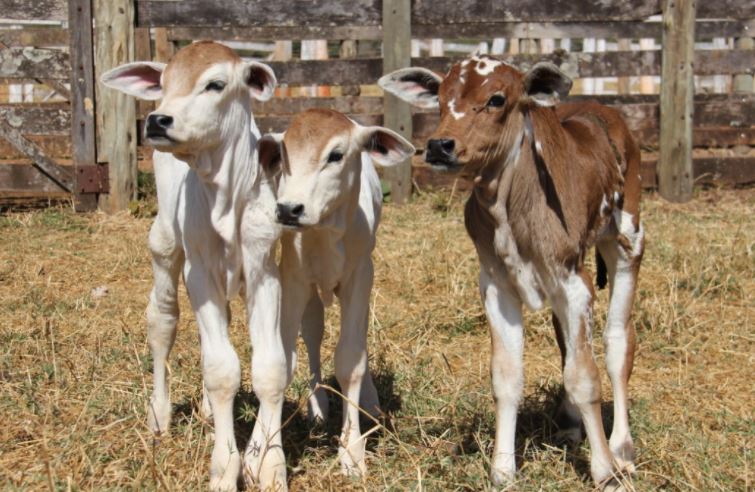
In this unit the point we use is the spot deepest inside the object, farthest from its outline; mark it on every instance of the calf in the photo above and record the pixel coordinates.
(549, 183)
(329, 203)
(215, 223)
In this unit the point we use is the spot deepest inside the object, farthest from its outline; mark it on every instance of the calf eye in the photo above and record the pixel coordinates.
(335, 156)
(496, 101)
(215, 86)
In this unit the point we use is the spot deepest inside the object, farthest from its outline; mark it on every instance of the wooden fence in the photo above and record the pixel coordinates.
(103, 144)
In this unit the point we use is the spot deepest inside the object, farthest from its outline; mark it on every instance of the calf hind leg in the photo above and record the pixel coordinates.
(573, 306)
(162, 317)
(619, 339)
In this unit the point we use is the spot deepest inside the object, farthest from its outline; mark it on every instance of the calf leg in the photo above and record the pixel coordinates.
(351, 364)
(162, 317)
(312, 327)
(220, 369)
(619, 338)
(567, 416)
(504, 311)
(573, 307)
(276, 309)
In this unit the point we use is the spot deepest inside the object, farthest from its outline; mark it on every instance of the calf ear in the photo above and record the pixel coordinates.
(385, 146)
(270, 152)
(261, 80)
(545, 84)
(417, 86)
(140, 79)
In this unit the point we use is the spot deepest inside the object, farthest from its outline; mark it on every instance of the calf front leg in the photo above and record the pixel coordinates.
(504, 311)
(351, 364)
(312, 327)
(162, 317)
(220, 370)
(273, 331)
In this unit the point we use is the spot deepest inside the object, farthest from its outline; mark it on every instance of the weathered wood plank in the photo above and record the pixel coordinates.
(344, 104)
(726, 171)
(54, 146)
(26, 10)
(577, 65)
(25, 178)
(274, 33)
(618, 63)
(49, 167)
(38, 118)
(156, 13)
(397, 113)
(33, 63)
(83, 136)
(38, 37)
(114, 45)
(576, 29)
(675, 178)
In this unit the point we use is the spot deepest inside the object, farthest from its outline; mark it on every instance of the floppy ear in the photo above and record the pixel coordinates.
(385, 146)
(261, 80)
(140, 79)
(545, 84)
(417, 86)
(270, 151)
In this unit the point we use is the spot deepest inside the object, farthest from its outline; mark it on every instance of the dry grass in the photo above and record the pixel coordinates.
(75, 369)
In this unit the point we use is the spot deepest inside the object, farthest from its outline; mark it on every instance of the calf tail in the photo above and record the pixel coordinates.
(601, 276)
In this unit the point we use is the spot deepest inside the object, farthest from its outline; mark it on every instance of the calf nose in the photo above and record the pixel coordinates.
(158, 122)
(289, 213)
(440, 151)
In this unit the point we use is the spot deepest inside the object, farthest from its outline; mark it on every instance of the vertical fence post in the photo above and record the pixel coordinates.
(82, 97)
(116, 112)
(397, 37)
(675, 178)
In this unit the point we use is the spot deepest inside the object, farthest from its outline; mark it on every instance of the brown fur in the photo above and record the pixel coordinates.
(189, 63)
(314, 126)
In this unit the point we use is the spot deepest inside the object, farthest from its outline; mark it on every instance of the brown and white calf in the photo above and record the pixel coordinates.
(329, 203)
(216, 225)
(550, 181)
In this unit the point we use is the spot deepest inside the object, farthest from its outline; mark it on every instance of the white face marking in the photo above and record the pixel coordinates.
(604, 207)
(452, 109)
(486, 67)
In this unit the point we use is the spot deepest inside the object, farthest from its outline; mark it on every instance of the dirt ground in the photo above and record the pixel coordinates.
(75, 369)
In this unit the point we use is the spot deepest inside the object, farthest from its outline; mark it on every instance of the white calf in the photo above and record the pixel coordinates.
(215, 222)
(329, 201)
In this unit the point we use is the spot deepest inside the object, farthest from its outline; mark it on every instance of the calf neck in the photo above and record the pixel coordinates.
(550, 182)
(215, 224)
(329, 203)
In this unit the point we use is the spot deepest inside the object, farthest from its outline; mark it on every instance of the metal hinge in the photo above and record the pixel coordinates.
(92, 179)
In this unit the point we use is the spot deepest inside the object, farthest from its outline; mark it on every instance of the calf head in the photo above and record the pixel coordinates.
(483, 102)
(205, 91)
(319, 161)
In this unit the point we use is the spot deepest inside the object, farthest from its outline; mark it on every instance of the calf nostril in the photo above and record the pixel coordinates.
(297, 210)
(447, 145)
(164, 121)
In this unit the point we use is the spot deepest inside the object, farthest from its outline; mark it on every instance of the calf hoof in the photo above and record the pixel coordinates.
(318, 406)
(158, 416)
(352, 460)
(224, 471)
(265, 470)
(623, 454)
(503, 473)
